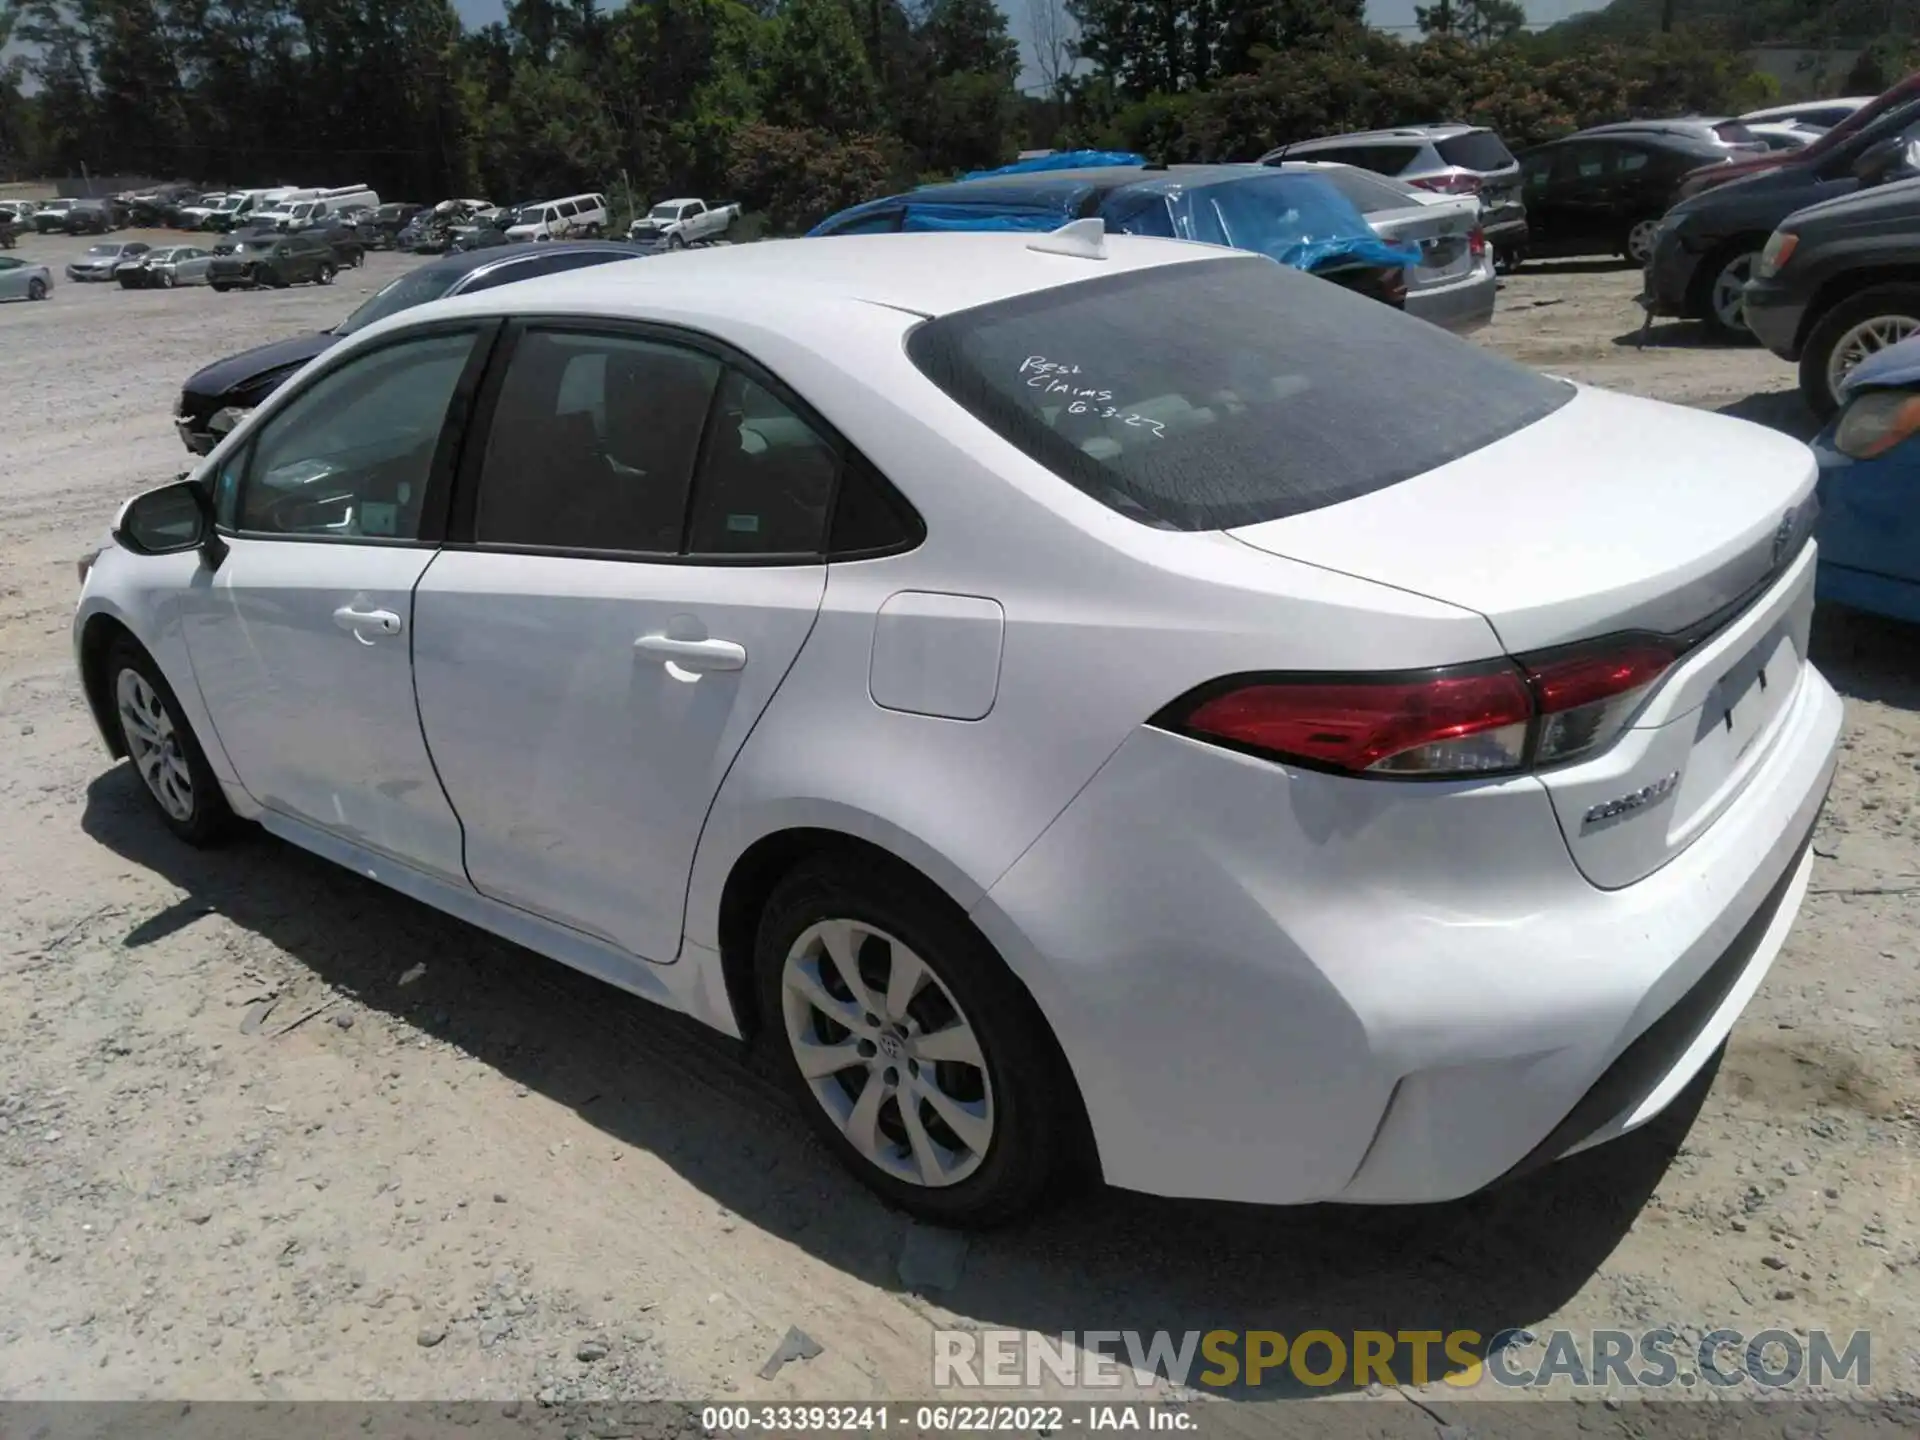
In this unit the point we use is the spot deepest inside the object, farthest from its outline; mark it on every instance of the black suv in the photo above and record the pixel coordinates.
(1706, 249)
(1836, 283)
(1601, 194)
(274, 260)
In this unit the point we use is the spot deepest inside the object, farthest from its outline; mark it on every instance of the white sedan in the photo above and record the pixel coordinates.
(1085, 705)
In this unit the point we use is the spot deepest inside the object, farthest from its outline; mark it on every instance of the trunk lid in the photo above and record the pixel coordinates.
(1615, 514)
(1440, 229)
(1612, 513)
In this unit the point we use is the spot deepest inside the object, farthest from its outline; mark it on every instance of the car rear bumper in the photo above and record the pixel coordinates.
(1462, 305)
(1775, 316)
(1289, 987)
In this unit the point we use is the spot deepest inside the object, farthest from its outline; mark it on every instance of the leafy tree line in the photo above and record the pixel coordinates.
(794, 107)
(802, 103)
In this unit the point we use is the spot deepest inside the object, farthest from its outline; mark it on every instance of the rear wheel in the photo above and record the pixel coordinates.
(912, 1050)
(163, 749)
(1859, 326)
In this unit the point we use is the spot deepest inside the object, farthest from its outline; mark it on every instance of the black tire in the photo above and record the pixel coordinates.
(1745, 250)
(674, 242)
(218, 288)
(1891, 301)
(209, 819)
(1035, 1132)
(36, 289)
(324, 275)
(166, 279)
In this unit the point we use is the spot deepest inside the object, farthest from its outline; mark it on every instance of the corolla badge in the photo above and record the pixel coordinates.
(1638, 800)
(1783, 537)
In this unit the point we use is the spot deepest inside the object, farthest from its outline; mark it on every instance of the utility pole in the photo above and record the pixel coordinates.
(1666, 15)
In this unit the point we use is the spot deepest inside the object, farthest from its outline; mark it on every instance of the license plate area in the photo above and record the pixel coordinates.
(1731, 727)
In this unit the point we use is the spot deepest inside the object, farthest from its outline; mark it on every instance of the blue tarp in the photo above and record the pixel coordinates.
(1299, 219)
(1061, 160)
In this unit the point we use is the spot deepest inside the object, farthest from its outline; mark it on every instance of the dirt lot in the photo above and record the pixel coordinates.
(267, 1130)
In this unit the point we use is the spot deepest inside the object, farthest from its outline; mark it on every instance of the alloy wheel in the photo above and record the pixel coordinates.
(1869, 337)
(1729, 293)
(155, 744)
(887, 1052)
(36, 289)
(1640, 242)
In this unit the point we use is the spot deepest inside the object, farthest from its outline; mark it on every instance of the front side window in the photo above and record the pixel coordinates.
(593, 443)
(350, 456)
(1218, 393)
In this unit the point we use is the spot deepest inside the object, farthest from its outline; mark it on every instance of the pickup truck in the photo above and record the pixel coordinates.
(678, 223)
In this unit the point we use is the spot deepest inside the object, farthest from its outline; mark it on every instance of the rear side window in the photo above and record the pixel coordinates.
(1382, 159)
(1732, 132)
(1218, 393)
(1475, 150)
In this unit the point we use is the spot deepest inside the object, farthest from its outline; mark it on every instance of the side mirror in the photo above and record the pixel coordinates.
(1874, 164)
(169, 520)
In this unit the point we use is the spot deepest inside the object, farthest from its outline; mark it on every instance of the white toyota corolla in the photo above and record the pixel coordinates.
(1076, 701)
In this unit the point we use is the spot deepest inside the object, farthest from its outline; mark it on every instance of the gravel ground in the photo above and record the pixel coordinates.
(269, 1131)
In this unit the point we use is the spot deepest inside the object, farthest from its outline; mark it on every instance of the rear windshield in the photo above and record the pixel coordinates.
(1210, 394)
(1475, 150)
(1369, 192)
(415, 288)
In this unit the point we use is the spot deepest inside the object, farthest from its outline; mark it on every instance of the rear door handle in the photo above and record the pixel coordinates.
(699, 656)
(381, 622)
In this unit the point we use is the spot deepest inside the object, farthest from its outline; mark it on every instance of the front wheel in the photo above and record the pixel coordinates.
(324, 275)
(166, 279)
(1639, 242)
(36, 289)
(1725, 310)
(163, 749)
(911, 1048)
(674, 242)
(1859, 326)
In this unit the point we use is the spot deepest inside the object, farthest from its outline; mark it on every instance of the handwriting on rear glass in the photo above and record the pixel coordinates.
(1053, 377)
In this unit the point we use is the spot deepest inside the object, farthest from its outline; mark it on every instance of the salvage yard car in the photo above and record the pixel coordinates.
(101, 261)
(274, 260)
(1605, 194)
(1836, 284)
(678, 223)
(1870, 488)
(24, 280)
(240, 382)
(1070, 720)
(164, 268)
(1705, 249)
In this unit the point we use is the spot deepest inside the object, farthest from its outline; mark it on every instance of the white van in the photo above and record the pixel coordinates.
(302, 214)
(572, 218)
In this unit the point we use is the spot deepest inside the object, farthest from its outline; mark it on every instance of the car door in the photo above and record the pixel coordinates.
(604, 630)
(300, 638)
(1585, 177)
(1539, 192)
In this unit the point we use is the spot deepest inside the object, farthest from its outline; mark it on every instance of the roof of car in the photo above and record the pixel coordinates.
(1441, 130)
(923, 274)
(1040, 185)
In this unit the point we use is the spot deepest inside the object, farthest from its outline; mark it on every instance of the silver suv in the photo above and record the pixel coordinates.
(1450, 159)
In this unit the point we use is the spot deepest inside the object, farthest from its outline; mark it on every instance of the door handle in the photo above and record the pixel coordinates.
(383, 622)
(699, 656)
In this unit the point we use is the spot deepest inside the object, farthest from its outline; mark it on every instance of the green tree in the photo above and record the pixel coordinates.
(814, 73)
(1478, 22)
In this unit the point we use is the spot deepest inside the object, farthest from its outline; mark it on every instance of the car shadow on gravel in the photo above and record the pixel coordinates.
(1868, 657)
(1102, 1260)
(1782, 410)
(1680, 335)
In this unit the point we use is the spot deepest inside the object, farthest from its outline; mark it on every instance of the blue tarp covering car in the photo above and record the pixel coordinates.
(1298, 219)
(1870, 487)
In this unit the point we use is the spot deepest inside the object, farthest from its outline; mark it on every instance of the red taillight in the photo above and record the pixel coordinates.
(1457, 723)
(1490, 719)
(1449, 184)
(1585, 696)
(1477, 244)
